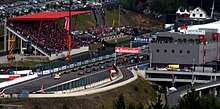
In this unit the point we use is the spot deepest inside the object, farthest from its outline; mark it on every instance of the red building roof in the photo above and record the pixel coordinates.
(48, 15)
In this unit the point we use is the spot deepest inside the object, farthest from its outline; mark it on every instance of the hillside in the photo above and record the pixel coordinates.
(139, 91)
(128, 18)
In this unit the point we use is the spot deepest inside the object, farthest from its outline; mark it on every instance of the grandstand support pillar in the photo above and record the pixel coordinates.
(131, 44)
(21, 50)
(69, 32)
(217, 58)
(9, 35)
(5, 36)
(215, 91)
(35, 51)
(200, 93)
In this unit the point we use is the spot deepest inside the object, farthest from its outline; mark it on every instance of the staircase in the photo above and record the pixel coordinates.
(22, 38)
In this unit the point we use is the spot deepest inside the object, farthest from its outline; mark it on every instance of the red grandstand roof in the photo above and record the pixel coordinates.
(48, 15)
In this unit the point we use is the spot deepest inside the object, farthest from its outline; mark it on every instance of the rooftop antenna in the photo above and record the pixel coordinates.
(213, 6)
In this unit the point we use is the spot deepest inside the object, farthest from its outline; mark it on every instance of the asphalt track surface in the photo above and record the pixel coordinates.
(48, 81)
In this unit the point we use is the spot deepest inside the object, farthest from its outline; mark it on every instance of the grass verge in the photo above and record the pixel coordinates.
(139, 91)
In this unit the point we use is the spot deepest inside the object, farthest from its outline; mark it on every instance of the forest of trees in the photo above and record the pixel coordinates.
(191, 100)
(169, 6)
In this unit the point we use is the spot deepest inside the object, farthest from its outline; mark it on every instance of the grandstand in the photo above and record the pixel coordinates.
(40, 34)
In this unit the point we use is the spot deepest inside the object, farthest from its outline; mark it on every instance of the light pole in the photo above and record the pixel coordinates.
(151, 54)
(16, 68)
(192, 72)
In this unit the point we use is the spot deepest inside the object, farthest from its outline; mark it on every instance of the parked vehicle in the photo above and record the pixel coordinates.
(172, 67)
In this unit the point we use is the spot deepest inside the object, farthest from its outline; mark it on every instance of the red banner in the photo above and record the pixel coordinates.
(202, 37)
(215, 36)
(127, 50)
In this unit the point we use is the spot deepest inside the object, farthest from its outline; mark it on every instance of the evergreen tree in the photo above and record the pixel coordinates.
(140, 106)
(209, 102)
(131, 106)
(1, 107)
(119, 103)
(158, 104)
(65, 106)
(189, 101)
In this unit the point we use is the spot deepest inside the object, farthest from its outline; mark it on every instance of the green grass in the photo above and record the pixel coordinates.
(119, 40)
(1, 31)
(135, 92)
(83, 18)
(95, 46)
(112, 15)
(21, 64)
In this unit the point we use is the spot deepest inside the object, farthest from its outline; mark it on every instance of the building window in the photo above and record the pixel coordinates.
(173, 51)
(194, 15)
(197, 10)
(165, 51)
(200, 15)
(157, 50)
(188, 51)
(180, 51)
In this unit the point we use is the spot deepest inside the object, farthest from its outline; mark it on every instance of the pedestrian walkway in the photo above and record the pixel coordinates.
(3, 59)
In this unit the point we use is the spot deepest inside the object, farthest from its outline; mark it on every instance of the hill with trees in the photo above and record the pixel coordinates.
(163, 7)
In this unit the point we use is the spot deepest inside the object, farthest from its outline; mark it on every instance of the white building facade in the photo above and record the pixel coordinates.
(198, 13)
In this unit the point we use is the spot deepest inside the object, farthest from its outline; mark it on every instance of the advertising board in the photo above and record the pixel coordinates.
(127, 50)
(141, 39)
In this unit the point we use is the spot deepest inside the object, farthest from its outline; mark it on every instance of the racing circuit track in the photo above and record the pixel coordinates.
(48, 81)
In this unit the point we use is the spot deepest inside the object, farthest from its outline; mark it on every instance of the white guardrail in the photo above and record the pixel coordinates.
(18, 80)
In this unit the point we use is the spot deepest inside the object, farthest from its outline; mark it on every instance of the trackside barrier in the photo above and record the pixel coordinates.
(18, 80)
(79, 82)
(7, 76)
(86, 92)
(95, 85)
(84, 87)
(64, 67)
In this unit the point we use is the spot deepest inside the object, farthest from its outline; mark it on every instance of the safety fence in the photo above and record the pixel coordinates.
(79, 82)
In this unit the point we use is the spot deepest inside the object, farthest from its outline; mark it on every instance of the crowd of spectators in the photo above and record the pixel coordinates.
(104, 31)
(47, 35)
(51, 37)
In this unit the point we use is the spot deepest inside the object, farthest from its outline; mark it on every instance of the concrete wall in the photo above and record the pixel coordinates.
(189, 52)
(211, 52)
(182, 36)
(72, 52)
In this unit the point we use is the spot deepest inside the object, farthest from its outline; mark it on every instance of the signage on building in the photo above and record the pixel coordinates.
(127, 50)
(209, 30)
(197, 32)
(141, 39)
